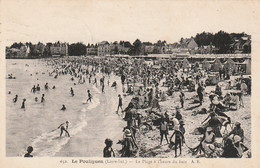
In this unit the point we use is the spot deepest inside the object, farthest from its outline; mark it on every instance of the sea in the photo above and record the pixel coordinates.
(37, 125)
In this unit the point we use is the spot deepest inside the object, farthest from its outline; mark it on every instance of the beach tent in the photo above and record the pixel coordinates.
(216, 65)
(185, 64)
(206, 64)
(230, 65)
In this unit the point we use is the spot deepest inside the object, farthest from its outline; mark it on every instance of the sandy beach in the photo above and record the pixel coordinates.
(92, 122)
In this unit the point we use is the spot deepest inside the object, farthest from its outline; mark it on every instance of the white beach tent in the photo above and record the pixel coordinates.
(216, 65)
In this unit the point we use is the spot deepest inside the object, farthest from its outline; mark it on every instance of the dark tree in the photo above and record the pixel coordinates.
(77, 49)
(136, 49)
(222, 40)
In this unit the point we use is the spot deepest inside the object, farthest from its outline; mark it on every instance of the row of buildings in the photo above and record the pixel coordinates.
(38, 50)
(59, 49)
(104, 48)
(187, 45)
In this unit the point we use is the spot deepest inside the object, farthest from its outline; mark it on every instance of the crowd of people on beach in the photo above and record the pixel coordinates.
(149, 83)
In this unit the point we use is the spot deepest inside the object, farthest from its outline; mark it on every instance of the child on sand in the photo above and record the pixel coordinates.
(89, 96)
(108, 150)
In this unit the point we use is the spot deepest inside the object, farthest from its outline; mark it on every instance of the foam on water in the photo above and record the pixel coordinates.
(48, 144)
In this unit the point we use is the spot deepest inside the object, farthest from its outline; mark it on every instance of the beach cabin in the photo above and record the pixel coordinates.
(230, 66)
(245, 66)
(248, 66)
(185, 64)
(206, 65)
(216, 66)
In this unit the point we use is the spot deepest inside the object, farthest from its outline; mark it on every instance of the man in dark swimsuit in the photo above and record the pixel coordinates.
(23, 104)
(89, 96)
(120, 104)
(62, 128)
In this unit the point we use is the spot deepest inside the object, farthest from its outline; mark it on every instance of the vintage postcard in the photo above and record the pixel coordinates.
(129, 83)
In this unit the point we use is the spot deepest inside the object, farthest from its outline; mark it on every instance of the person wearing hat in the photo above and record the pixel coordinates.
(62, 128)
(240, 147)
(179, 139)
(29, 151)
(237, 131)
(108, 150)
(129, 144)
(164, 130)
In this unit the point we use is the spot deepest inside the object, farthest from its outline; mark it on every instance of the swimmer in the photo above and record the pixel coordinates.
(103, 86)
(15, 99)
(42, 99)
(71, 92)
(33, 89)
(95, 81)
(63, 107)
(23, 104)
(38, 87)
(46, 86)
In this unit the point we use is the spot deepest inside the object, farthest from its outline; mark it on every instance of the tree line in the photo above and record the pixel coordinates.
(221, 40)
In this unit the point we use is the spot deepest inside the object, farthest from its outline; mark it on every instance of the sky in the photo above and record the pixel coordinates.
(94, 21)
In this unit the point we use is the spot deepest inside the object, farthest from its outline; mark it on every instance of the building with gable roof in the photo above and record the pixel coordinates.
(59, 49)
